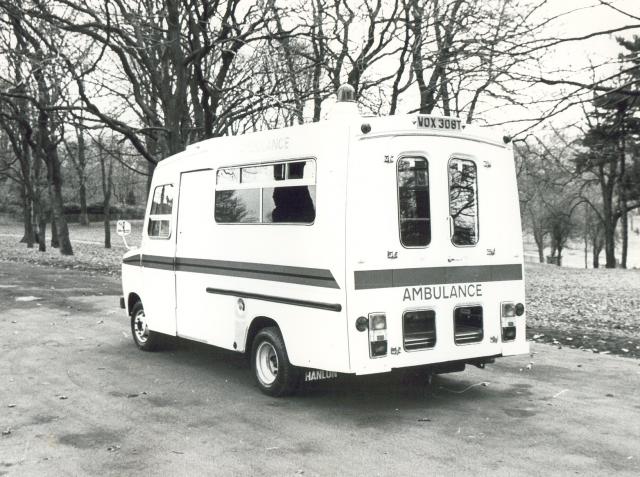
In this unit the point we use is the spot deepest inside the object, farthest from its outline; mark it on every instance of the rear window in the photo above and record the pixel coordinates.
(463, 201)
(414, 213)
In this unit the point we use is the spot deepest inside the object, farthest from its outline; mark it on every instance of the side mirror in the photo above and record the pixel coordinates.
(123, 228)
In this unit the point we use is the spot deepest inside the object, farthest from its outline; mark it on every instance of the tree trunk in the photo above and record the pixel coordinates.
(84, 215)
(29, 233)
(107, 174)
(625, 235)
(55, 180)
(107, 225)
(609, 230)
(622, 191)
(55, 242)
(540, 245)
(559, 263)
(42, 234)
(48, 150)
(81, 166)
(610, 245)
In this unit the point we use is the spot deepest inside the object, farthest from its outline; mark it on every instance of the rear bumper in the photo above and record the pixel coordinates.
(477, 354)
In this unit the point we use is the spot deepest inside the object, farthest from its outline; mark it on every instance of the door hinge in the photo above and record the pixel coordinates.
(388, 158)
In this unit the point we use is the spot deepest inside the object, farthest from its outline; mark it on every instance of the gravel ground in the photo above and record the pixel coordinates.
(594, 310)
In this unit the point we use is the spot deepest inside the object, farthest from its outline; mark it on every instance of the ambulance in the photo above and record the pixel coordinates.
(354, 245)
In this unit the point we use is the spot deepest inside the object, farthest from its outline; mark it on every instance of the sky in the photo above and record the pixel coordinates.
(572, 60)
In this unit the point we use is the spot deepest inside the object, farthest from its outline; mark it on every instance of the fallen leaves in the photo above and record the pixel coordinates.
(593, 310)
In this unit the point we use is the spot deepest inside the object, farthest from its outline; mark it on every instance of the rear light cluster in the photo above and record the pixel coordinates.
(508, 313)
(377, 334)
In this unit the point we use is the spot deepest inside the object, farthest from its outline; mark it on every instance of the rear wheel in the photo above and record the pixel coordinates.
(143, 337)
(275, 375)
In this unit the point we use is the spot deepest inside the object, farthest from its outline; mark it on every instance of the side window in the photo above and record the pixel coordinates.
(463, 201)
(414, 210)
(160, 213)
(238, 206)
(275, 193)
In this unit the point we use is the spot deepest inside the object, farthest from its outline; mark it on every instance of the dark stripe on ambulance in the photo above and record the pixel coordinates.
(133, 260)
(259, 271)
(278, 299)
(407, 277)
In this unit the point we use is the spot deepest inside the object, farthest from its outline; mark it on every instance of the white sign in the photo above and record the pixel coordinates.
(123, 228)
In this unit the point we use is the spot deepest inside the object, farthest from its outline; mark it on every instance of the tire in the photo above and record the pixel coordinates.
(143, 337)
(275, 375)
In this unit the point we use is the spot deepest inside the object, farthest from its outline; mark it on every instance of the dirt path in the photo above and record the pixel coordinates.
(77, 398)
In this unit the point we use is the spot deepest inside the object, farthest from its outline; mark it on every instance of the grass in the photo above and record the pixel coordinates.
(88, 248)
(596, 310)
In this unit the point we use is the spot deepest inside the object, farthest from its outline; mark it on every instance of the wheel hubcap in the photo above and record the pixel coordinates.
(266, 363)
(140, 329)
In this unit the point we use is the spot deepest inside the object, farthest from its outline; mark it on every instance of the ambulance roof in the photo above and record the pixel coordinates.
(360, 127)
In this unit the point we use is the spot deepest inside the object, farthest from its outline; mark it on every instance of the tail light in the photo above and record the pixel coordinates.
(377, 335)
(508, 313)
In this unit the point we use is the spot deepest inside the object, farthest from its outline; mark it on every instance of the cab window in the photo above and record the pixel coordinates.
(160, 214)
(463, 201)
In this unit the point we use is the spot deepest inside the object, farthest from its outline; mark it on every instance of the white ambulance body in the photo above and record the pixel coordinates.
(353, 245)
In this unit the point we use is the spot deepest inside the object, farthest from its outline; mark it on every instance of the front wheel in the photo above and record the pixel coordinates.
(275, 375)
(143, 337)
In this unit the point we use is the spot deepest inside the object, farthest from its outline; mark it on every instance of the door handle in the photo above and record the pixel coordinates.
(450, 220)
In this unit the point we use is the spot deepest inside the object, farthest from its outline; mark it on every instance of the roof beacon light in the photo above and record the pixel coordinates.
(345, 107)
(346, 94)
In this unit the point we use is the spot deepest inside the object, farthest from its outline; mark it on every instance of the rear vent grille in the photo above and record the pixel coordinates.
(468, 324)
(419, 329)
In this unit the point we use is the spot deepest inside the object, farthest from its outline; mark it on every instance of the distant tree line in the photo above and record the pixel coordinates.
(585, 184)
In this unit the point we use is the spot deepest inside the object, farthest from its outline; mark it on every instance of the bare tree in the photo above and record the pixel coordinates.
(34, 42)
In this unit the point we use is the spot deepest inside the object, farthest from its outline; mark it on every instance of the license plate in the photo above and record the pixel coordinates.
(433, 122)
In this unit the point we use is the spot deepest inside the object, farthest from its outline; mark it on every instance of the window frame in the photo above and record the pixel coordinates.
(472, 304)
(474, 161)
(260, 186)
(435, 327)
(160, 217)
(418, 155)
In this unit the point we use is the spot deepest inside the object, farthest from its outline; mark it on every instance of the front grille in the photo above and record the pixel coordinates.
(468, 324)
(419, 328)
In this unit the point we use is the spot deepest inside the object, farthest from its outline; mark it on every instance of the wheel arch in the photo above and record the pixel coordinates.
(258, 323)
(132, 299)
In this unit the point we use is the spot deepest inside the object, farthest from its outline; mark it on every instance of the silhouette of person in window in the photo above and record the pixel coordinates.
(292, 204)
